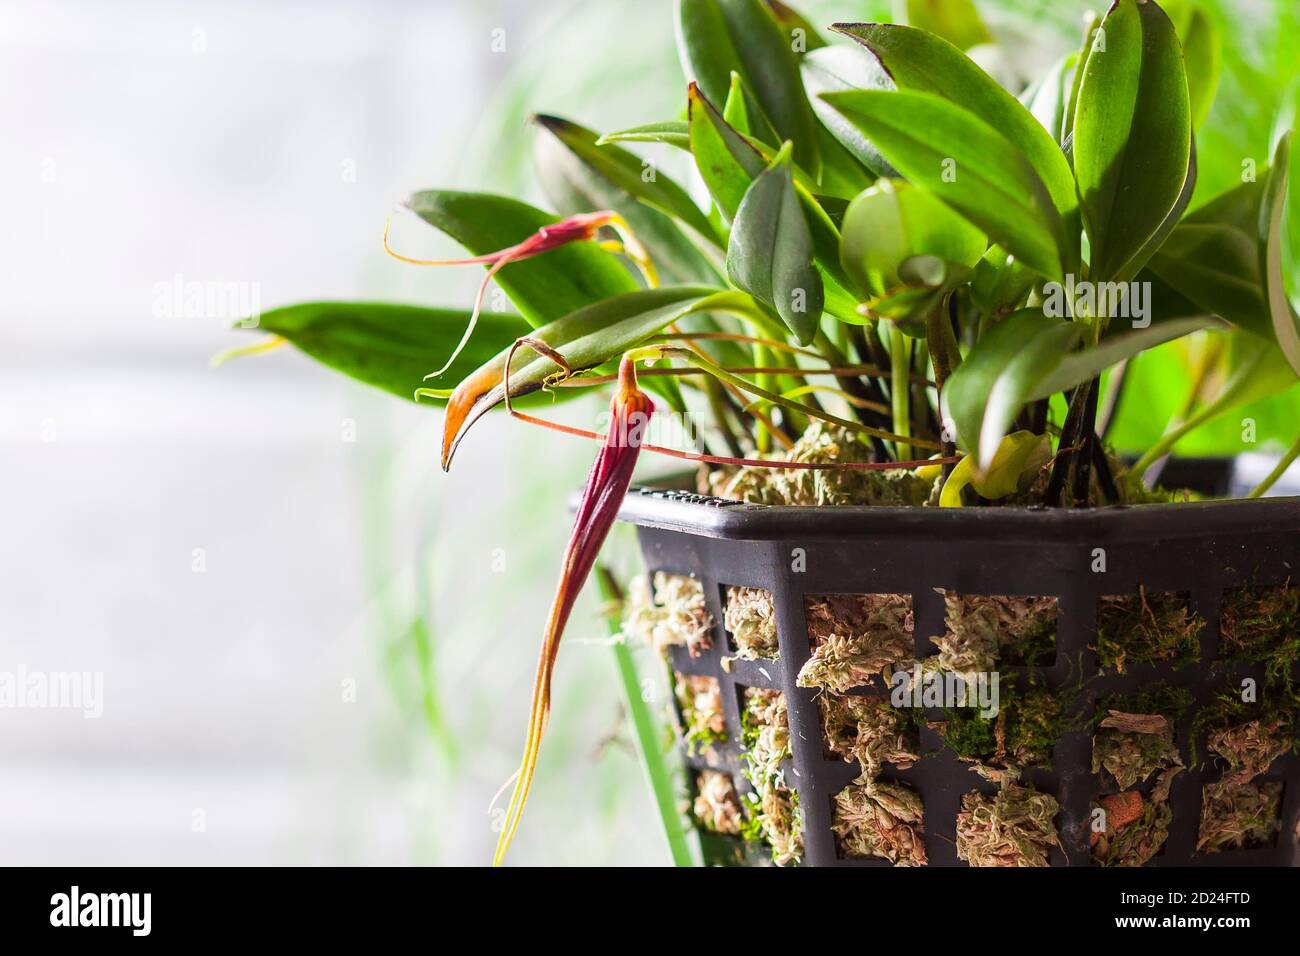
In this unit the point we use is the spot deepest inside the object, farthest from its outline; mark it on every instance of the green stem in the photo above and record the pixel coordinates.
(646, 730)
(900, 363)
(1283, 464)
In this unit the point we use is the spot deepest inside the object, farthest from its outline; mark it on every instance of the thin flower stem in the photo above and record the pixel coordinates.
(737, 462)
(1283, 464)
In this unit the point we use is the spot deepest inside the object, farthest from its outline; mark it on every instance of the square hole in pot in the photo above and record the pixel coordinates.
(870, 730)
(1010, 828)
(983, 631)
(1261, 624)
(1150, 627)
(1242, 738)
(879, 819)
(669, 611)
(699, 709)
(749, 616)
(774, 818)
(1130, 828)
(716, 806)
(855, 637)
(1029, 721)
(1134, 740)
(1239, 816)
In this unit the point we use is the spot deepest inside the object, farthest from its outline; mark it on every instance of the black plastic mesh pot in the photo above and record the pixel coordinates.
(1199, 549)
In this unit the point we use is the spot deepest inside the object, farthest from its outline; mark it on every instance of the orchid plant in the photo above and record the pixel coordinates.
(955, 275)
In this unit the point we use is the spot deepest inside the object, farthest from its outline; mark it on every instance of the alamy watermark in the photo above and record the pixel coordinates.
(917, 688)
(25, 689)
(1124, 300)
(183, 298)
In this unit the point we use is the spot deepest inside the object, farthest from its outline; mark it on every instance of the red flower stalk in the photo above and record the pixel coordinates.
(579, 228)
(630, 411)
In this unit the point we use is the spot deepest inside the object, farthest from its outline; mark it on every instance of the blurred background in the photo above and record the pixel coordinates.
(316, 647)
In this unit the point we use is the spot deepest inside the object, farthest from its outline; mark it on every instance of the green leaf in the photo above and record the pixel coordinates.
(543, 288)
(586, 338)
(1157, 239)
(893, 222)
(838, 68)
(1086, 364)
(791, 22)
(391, 346)
(744, 114)
(673, 132)
(923, 63)
(576, 182)
(770, 254)
(717, 37)
(1286, 324)
(1132, 134)
(1216, 267)
(957, 21)
(1202, 53)
(629, 173)
(1019, 459)
(961, 160)
(1049, 98)
(987, 390)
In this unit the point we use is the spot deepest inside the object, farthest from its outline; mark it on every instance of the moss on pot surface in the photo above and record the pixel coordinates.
(869, 730)
(1262, 624)
(717, 805)
(1237, 816)
(983, 630)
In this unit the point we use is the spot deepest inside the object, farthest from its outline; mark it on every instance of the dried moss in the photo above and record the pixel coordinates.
(1237, 816)
(699, 699)
(1146, 628)
(674, 616)
(1011, 828)
(774, 808)
(875, 818)
(1136, 826)
(1134, 734)
(983, 630)
(854, 637)
(820, 444)
(750, 618)
(869, 730)
(717, 805)
(1249, 736)
(1262, 624)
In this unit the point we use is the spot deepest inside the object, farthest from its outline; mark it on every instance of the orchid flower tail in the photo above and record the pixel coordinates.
(630, 411)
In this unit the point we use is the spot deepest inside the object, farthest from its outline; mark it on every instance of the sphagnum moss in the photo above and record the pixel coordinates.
(750, 619)
(1236, 816)
(869, 730)
(1147, 628)
(877, 818)
(717, 805)
(1262, 624)
(699, 699)
(1014, 827)
(774, 815)
(983, 630)
(675, 615)
(854, 638)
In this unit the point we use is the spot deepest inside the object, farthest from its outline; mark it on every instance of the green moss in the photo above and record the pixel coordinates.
(984, 630)
(1133, 734)
(774, 815)
(1262, 624)
(1023, 734)
(1248, 735)
(1147, 628)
